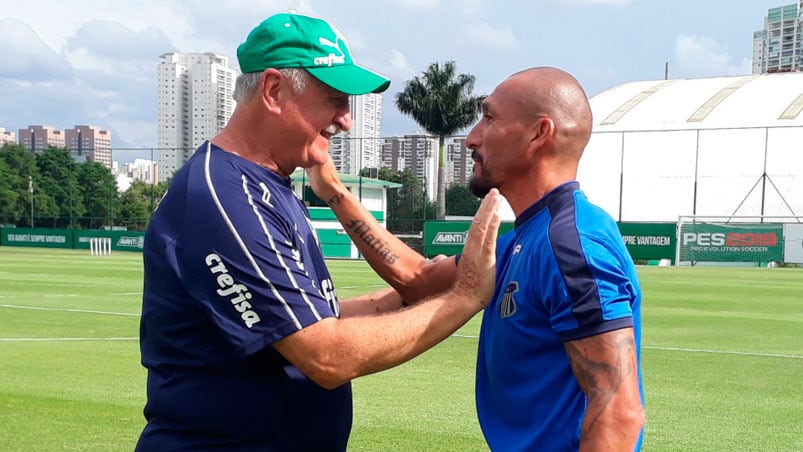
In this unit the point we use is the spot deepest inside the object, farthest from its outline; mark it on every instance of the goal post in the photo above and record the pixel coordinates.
(731, 239)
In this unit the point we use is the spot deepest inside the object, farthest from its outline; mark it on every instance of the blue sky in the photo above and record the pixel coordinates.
(94, 62)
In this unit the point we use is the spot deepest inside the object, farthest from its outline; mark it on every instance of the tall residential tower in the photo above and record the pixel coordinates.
(417, 153)
(777, 48)
(194, 102)
(360, 147)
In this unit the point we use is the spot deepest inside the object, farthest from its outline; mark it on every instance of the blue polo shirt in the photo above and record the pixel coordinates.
(563, 273)
(231, 265)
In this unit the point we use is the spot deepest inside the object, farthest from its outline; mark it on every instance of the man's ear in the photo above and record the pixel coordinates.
(270, 86)
(541, 132)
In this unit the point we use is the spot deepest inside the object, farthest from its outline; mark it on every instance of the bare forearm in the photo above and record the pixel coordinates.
(362, 345)
(333, 351)
(405, 334)
(394, 261)
(607, 370)
(379, 302)
(614, 433)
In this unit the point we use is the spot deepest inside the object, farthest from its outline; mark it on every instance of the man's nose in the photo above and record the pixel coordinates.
(473, 137)
(343, 121)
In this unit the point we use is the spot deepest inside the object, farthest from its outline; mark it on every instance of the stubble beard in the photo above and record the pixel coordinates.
(478, 187)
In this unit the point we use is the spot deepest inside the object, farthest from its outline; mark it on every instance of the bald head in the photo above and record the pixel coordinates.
(553, 93)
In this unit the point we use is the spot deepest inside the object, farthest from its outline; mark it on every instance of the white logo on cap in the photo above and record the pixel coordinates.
(330, 59)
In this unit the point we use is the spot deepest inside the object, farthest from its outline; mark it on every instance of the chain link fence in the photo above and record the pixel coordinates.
(52, 198)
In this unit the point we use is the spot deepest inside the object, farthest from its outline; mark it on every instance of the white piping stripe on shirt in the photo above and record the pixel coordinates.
(279, 256)
(208, 176)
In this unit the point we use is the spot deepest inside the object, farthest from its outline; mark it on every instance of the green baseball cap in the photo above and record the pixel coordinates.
(290, 40)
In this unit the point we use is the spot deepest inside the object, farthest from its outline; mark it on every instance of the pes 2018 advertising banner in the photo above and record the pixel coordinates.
(707, 242)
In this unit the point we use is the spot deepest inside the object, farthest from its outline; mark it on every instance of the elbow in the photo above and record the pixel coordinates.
(326, 371)
(639, 417)
(328, 380)
(634, 417)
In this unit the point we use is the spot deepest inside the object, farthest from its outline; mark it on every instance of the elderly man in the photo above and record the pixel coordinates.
(245, 341)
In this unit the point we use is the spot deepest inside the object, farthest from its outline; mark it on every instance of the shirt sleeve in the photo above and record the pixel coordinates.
(598, 292)
(243, 258)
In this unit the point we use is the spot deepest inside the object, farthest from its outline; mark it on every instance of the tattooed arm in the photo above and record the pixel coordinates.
(413, 276)
(606, 369)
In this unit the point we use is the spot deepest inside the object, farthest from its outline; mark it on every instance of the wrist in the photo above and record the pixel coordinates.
(336, 197)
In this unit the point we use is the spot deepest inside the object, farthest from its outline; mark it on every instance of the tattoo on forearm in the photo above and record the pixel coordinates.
(334, 200)
(379, 246)
(601, 379)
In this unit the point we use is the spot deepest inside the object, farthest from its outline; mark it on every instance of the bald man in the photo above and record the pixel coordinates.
(558, 363)
(558, 360)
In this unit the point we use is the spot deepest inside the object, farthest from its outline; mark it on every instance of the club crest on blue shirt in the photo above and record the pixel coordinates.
(507, 308)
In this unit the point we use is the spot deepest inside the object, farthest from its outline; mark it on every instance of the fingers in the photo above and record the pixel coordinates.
(493, 223)
(485, 226)
(476, 271)
(438, 258)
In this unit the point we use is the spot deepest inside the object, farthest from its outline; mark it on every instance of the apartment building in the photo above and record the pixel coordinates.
(777, 48)
(361, 146)
(194, 102)
(417, 153)
(37, 138)
(7, 136)
(89, 143)
(460, 166)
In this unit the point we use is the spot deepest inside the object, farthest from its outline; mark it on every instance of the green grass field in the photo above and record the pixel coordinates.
(722, 361)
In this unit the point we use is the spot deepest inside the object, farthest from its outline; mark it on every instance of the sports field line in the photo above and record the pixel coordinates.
(83, 311)
(690, 350)
(362, 286)
(128, 314)
(725, 352)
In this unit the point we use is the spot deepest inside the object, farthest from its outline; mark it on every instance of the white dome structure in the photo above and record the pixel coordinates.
(721, 146)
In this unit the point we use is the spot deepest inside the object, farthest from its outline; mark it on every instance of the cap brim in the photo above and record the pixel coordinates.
(351, 79)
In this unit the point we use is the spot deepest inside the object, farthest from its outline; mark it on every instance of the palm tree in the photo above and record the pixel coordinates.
(441, 101)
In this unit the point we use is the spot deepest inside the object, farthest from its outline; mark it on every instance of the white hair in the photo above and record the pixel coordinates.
(247, 84)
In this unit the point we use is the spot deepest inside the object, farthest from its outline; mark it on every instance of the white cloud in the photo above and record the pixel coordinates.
(499, 39)
(399, 65)
(697, 55)
(26, 57)
(109, 39)
(466, 6)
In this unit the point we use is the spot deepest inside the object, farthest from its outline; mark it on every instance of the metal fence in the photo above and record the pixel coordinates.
(660, 175)
(408, 207)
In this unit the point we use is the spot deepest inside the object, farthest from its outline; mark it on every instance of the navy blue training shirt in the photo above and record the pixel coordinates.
(232, 265)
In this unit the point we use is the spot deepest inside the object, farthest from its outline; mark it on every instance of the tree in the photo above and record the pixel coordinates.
(58, 179)
(138, 203)
(460, 201)
(9, 196)
(20, 168)
(99, 193)
(441, 101)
